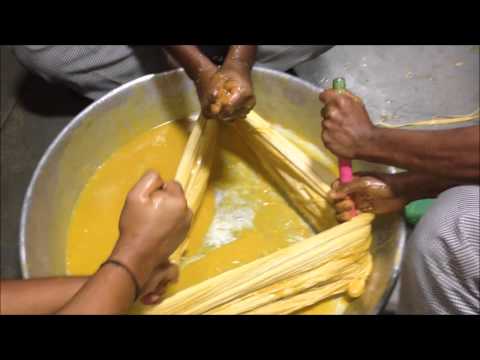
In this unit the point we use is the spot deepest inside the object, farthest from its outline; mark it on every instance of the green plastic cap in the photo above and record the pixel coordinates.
(339, 84)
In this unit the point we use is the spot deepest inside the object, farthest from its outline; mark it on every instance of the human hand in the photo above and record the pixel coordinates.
(367, 192)
(227, 94)
(347, 129)
(156, 286)
(153, 223)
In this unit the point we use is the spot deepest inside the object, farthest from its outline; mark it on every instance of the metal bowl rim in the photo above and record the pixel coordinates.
(76, 121)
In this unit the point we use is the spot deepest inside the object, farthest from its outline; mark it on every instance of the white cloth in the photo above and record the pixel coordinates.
(441, 272)
(94, 70)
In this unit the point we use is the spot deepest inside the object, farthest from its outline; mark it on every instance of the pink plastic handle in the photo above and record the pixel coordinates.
(345, 167)
(346, 175)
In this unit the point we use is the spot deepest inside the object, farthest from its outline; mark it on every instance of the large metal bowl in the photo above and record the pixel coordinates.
(142, 104)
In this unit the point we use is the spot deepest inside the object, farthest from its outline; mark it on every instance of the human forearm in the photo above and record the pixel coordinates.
(381, 193)
(413, 186)
(96, 298)
(451, 153)
(193, 61)
(154, 221)
(349, 133)
(38, 296)
(241, 57)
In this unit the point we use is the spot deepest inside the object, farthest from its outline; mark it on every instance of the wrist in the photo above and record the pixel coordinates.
(114, 264)
(239, 66)
(371, 149)
(138, 264)
(401, 185)
(241, 57)
(203, 73)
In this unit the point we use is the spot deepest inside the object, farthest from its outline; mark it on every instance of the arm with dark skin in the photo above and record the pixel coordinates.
(381, 193)
(197, 66)
(231, 86)
(349, 133)
(453, 153)
(242, 56)
(154, 221)
(436, 160)
(226, 92)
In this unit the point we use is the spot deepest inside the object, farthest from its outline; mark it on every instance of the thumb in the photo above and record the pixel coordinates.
(148, 184)
(167, 274)
(327, 96)
(337, 191)
(355, 186)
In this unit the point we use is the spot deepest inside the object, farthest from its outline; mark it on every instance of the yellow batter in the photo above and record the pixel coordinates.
(241, 218)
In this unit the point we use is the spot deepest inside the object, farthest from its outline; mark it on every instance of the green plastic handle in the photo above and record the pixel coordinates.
(339, 84)
(416, 209)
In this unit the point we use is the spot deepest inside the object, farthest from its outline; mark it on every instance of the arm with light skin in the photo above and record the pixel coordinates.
(95, 297)
(348, 132)
(154, 221)
(38, 296)
(60, 295)
(50, 295)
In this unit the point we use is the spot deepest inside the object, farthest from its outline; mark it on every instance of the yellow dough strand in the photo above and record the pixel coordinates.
(299, 179)
(296, 259)
(195, 167)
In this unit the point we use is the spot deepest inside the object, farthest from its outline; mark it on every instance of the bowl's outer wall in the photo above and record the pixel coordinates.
(147, 102)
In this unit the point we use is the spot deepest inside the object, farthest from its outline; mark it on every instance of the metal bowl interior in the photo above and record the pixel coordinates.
(93, 135)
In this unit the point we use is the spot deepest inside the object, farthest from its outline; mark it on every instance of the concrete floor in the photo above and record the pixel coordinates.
(401, 84)
(398, 84)
(32, 114)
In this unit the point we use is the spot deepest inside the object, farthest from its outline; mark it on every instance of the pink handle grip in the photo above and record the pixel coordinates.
(346, 174)
(345, 167)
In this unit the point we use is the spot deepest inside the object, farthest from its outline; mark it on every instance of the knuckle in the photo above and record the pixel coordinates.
(174, 271)
(343, 101)
(132, 197)
(181, 204)
(326, 137)
(152, 173)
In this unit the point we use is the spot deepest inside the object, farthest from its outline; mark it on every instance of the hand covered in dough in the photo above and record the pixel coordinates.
(227, 94)
(368, 192)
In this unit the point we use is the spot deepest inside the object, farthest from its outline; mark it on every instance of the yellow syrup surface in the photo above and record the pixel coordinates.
(242, 216)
